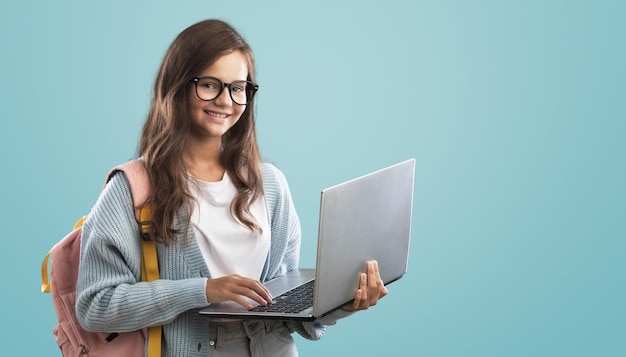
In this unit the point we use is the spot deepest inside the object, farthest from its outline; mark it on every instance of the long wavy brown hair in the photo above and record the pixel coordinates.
(167, 128)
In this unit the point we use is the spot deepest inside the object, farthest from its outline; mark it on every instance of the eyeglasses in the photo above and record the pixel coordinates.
(209, 88)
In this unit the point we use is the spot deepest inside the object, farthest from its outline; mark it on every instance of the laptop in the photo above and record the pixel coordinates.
(368, 217)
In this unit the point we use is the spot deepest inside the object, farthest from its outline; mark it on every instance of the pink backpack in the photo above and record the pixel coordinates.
(72, 339)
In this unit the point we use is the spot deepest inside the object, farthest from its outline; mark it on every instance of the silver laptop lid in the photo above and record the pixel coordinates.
(368, 217)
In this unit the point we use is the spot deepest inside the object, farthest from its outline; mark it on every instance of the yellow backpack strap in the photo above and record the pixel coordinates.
(150, 272)
(140, 186)
(45, 283)
(80, 222)
(154, 341)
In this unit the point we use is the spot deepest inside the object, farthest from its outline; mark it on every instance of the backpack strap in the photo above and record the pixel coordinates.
(139, 181)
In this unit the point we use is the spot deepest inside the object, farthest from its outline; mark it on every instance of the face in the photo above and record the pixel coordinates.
(212, 119)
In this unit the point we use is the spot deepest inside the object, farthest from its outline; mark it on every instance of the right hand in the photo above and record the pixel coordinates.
(234, 288)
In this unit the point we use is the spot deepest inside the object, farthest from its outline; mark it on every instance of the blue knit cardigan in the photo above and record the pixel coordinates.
(111, 296)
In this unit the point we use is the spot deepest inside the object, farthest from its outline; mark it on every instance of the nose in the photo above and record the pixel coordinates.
(224, 98)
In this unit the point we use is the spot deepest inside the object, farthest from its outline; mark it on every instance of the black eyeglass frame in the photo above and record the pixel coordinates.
(251, 89)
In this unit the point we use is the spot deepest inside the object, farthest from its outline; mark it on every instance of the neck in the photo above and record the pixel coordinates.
(202, 159)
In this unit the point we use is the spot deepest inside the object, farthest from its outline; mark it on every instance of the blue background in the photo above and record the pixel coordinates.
(514, 110)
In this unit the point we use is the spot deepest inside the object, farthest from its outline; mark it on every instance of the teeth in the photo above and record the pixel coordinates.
(217, 115)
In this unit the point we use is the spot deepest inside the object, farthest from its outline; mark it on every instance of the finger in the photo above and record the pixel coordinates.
(358, 295)
(378, 287)
(364, 293)
(363, 287)
(377, 271)
(357, 299)
(261, 290)
(378, 280)
(255, 291)
(372, 274)
(383, 289)
(373, 283)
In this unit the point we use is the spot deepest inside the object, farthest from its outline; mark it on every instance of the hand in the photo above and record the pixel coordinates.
(371, 288)
(234, 288)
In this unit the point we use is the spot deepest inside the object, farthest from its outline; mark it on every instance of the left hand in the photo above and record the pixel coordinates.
(371, 288)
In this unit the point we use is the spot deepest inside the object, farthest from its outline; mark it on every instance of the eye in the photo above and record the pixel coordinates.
(238, 87)
(209, 84)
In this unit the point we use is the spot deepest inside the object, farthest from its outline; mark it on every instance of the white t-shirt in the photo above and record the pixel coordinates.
(227, 246)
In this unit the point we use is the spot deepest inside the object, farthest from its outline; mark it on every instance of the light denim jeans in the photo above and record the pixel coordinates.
(254, 338)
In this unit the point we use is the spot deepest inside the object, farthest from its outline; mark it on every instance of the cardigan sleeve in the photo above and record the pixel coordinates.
(110, 294)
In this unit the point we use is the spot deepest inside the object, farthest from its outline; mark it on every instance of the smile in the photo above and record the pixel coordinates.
(216, 115)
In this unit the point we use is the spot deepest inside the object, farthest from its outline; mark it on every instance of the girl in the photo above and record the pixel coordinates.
(223, 220)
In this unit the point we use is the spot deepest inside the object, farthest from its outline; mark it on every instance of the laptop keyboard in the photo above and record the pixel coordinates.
(293, 301)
